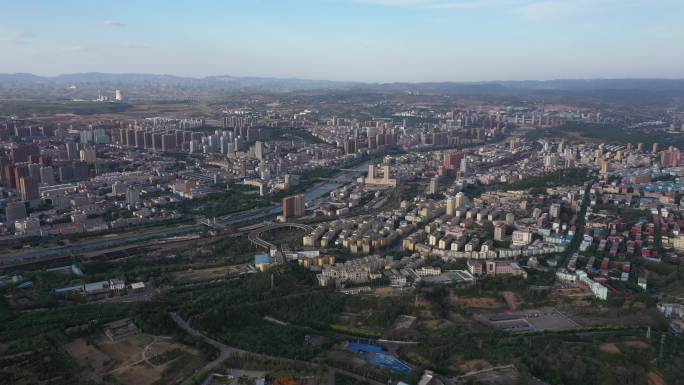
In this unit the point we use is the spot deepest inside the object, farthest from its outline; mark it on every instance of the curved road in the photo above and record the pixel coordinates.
(227, 351)
(255, 235)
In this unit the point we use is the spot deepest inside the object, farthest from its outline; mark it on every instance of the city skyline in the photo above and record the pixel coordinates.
(351, 40)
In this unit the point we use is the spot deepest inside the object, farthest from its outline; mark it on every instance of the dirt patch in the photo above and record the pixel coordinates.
(126, 351)
(89, 356)
(610, 348)
(140, 374)
(637, 344)
(474, 365)
(404, 322)
(655, 379)
(433, 324)
(480, 302)
(511, 299)
(387, 292)
(136, 360)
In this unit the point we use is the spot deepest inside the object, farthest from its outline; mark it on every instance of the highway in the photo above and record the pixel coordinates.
(41, 255)
(254, 236)
(96, 244)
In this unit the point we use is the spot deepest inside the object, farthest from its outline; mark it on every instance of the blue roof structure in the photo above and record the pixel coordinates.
(375, 355)
(261, 259)
(357, 347)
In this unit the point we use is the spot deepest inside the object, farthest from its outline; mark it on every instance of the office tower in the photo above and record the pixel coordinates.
(293, 206)
(118, 96)
(29, 188)
(655, 148)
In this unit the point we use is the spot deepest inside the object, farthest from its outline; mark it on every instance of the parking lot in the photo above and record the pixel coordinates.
(530, 320)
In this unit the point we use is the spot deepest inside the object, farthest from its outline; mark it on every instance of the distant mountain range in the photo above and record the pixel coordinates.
(143, 86)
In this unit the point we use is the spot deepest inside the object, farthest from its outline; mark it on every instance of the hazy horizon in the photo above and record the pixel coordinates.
(372, 41)
(257, 76)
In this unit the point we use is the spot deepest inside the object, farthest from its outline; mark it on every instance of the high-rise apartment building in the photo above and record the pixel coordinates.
(293, 206)
(28, 187)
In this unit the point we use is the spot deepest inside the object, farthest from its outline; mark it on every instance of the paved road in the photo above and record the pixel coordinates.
(114, 240)
(227, 351)
(103, 242)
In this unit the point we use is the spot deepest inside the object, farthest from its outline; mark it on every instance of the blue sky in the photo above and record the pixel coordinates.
(363, 40)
